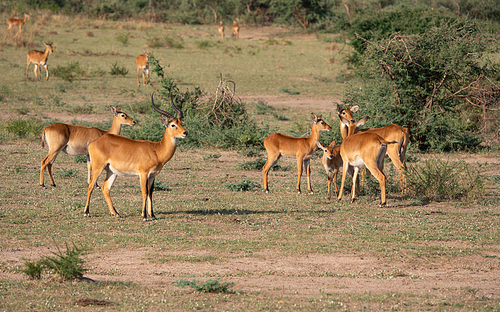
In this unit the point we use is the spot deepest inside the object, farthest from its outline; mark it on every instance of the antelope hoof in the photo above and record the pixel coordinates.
(267, 191)
(311, 192)
(153, 218)
(328, 197)
(382, 205)
(87, 215)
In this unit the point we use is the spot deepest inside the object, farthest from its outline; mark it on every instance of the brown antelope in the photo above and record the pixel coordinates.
(396, 152)
(74, 140)
(236, 30)
(331, 161)
(302, 148)
(121, 156)
(39, 58)
(18, 22)
(221, 29)
(142, 63)
(363, 150)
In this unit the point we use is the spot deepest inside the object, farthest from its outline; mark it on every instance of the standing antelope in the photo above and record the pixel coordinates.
(396, 152)
(39, 58)
(302, 148)
(142, 63)
(121, 156)
(236, 30)
(221, 29)
(18, 22)
(360, 150)
(74, 140)
(332, 161)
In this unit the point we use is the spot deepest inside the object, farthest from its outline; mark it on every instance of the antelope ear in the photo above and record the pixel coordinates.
(314, 117)
(362, 121)
(321, 146)
(354, 108)
(165, 121)
(114, 110)
(332, 144)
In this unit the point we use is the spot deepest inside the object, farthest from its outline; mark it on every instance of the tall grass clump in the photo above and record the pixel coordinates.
(437, 180)
(23, 127)
(117, 70)
(210, 286)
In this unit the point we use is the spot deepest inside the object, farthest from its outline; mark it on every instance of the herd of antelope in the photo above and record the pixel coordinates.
(120, 156)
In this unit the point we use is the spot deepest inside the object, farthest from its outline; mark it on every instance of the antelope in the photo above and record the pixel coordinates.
(302, 148)
(39, 58)
(360, 150)
(74, 140)
(18, 22)
(142, 63)
(236, 30)
(331, 161)
(221, 29)
(121, 156)
(393, 132)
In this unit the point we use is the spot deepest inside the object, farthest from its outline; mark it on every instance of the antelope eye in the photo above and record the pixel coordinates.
(173, 126)
(123, 115)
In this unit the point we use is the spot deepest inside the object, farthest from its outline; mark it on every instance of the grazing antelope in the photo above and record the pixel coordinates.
(121, 156)
(236, 30)
(18, 22)
(396, 152)
(74, 140)
(302, 148)
(142, 63)
(221, 29)
(360, 150)
(39, 58)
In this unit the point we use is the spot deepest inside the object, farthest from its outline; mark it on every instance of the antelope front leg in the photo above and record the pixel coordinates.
(151, 185)
(300, 163)
(145, 195)
(106, 187)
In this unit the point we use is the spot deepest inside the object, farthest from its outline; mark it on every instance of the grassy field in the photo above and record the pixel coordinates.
(282, 251)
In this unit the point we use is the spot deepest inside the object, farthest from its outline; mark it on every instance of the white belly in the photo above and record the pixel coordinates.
(357, 162)
(123, 173)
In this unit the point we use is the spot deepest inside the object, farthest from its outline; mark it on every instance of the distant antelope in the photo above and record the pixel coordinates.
(74, 140)
(18, 22)
(39, 58)
(221, 29)
(302, 148)
(142, 63)
(236, 30)
(332, 161)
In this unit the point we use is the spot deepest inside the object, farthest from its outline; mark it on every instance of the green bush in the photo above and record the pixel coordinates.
(68, 72)
(444, 180)
(123, 38)
(258, 163)
(23, 127)
(33, 270)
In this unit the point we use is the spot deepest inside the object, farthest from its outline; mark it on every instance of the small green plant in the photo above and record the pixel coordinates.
(123, 38)
(68, 173)
(203, 44)
(242, 186)
(174, 42)
(67, 265)
(262, 108)
(212, 156)
(252, 151)
(22, 110)
(210, 286)
(80, 159)
(258, 163)
(160, 186)
(82, 109)
(155, 42)
(288, 91)
(117, 70)
(33, 270)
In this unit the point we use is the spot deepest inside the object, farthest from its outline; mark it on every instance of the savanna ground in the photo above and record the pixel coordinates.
(282, 251)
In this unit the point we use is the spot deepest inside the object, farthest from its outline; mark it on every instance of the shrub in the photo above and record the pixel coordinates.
(23, 127)
(210, 286)
(117, 70)
(68, 72)
(123, 38)
(444, 180)
(258, 163)
(33, 270)
(67, 265)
